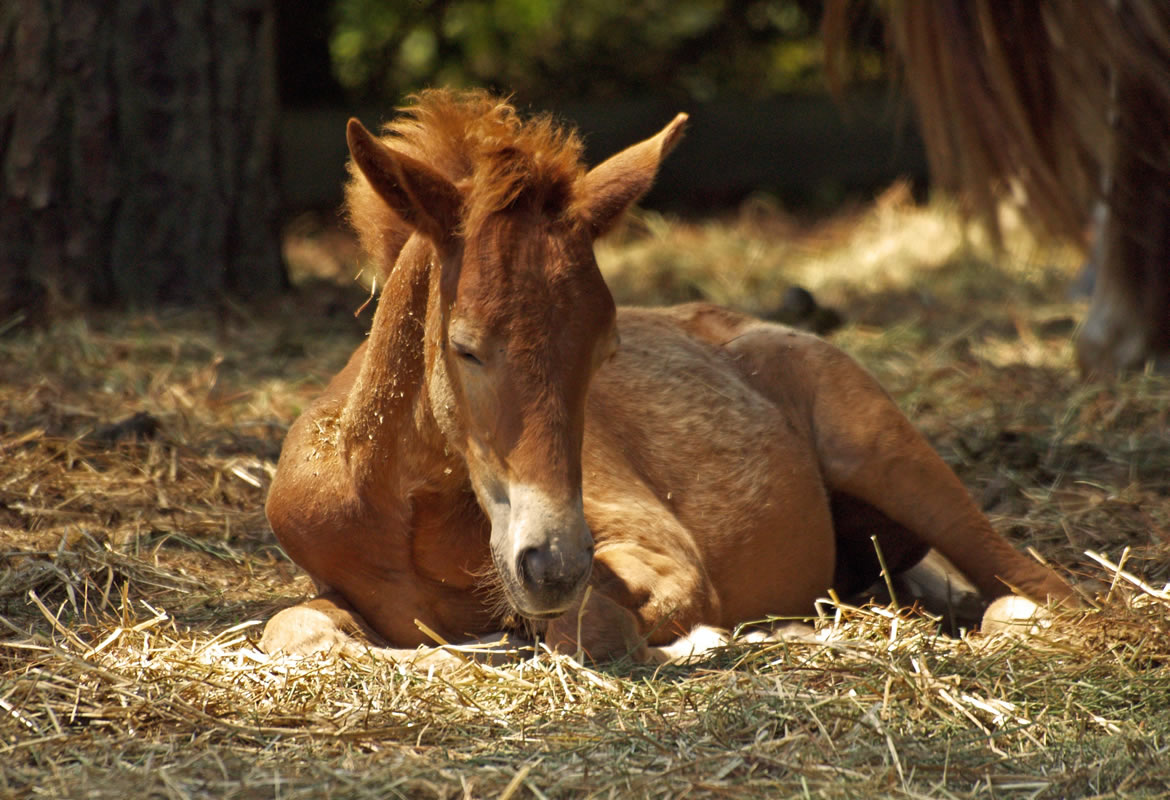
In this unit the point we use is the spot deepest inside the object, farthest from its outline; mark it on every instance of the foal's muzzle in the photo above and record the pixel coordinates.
(551, 581)
(544, 553)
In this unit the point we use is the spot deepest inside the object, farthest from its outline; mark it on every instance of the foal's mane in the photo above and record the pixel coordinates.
(478, 142)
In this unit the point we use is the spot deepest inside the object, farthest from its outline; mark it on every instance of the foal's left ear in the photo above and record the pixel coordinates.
(422, 197)
(616, 183)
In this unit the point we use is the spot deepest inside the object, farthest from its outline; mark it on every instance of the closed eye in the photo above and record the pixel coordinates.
(465, 354)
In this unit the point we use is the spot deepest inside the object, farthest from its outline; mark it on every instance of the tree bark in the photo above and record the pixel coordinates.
(137, 141)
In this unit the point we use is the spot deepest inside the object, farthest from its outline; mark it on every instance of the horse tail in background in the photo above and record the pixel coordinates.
(1050, 97)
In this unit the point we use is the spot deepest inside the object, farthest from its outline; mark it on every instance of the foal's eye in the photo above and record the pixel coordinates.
(465, 354)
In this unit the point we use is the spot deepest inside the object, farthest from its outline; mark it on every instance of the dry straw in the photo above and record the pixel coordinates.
(136, 566)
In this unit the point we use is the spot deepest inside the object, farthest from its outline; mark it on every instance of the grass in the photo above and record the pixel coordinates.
(135, 570)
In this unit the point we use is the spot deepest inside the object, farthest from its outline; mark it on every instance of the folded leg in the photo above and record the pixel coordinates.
(870, 452)
(328, 624)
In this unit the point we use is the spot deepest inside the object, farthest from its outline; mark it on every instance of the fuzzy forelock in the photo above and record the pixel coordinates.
(481, 144)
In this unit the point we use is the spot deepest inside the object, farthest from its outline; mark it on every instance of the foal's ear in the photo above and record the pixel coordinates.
(423, 198)
(616, 183)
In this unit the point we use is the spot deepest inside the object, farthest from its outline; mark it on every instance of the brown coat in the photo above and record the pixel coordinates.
(492, 449)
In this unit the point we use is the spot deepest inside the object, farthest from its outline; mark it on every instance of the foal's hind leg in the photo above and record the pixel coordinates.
(868, 450)
(916, 574)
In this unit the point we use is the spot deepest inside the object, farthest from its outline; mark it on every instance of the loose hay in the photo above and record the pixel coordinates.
(136, 570)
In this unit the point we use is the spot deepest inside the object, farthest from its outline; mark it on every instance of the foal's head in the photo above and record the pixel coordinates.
(526, 318)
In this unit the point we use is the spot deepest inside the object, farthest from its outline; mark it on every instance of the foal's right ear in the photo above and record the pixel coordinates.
(422, 197)
(616, 183)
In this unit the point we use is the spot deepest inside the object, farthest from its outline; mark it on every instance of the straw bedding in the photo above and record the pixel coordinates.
(136, 566)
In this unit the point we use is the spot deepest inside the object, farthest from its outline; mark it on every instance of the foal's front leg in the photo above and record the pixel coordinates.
(328, 624)
(599, 629)
(640, 596)
(325, 624)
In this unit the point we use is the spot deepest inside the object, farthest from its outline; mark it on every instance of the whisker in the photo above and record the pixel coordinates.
(489, 587)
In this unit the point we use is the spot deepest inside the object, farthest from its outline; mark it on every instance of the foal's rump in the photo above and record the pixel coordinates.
(780, 457)
(786, 381)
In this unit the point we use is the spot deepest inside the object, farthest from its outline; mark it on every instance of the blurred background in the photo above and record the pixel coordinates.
(177, 284)
(751, 73)
(156, 153)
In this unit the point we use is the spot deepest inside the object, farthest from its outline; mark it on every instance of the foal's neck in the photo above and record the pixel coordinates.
(386, 429)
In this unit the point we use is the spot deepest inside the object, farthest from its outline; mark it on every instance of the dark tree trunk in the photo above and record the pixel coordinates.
(136, 139)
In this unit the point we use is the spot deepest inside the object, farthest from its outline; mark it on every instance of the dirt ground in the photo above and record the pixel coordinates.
(136, 566)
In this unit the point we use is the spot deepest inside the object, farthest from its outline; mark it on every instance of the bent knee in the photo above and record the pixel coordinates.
(303, 631)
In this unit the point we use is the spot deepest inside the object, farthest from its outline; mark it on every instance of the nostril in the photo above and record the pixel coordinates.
(533, 566)
(548, 569)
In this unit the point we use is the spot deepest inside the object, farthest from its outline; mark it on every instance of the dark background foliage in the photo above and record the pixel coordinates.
(550, 50)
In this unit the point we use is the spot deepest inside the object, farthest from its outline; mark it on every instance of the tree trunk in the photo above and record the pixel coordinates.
(137, 139)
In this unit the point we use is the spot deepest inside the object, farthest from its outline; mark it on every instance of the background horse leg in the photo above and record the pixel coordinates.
(1129, 317)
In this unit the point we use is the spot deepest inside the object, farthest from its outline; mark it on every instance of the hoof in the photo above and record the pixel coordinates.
(702, 639)
(301, 631)
(791, 631)
(1013, 614)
